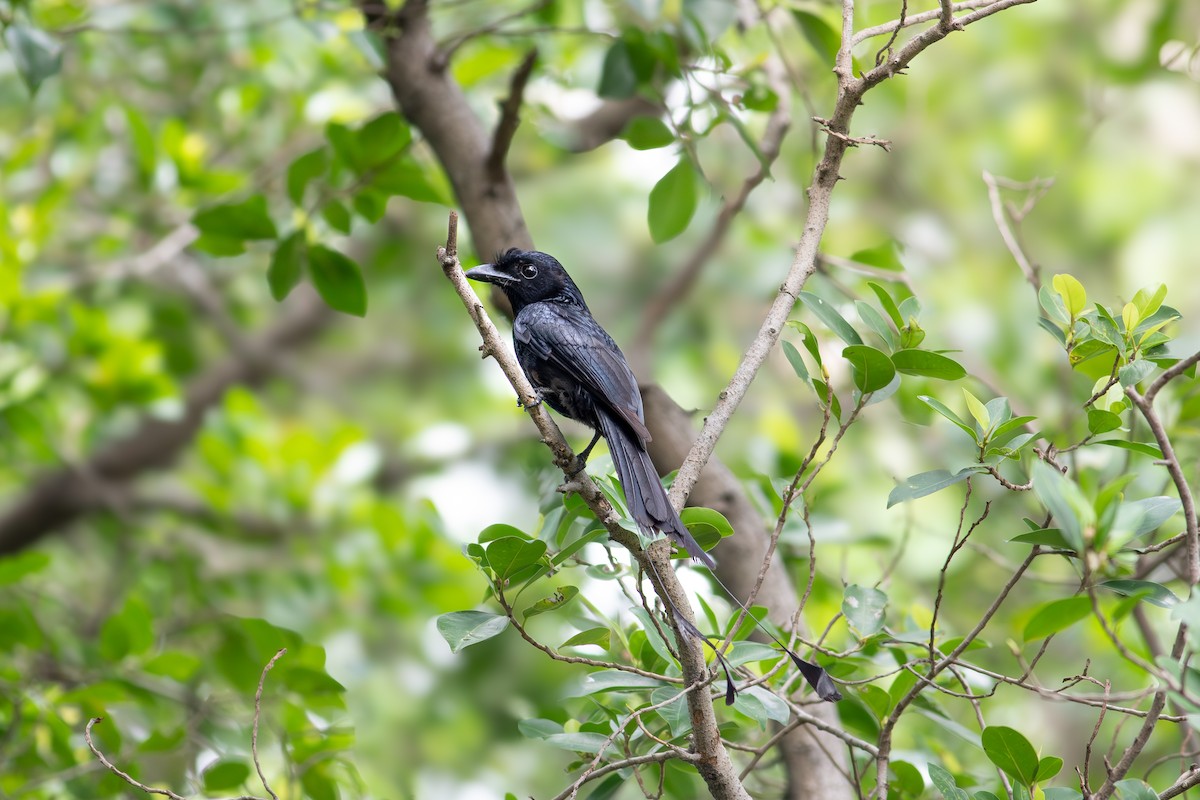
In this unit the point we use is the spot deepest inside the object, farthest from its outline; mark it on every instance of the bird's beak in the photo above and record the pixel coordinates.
(488, 274)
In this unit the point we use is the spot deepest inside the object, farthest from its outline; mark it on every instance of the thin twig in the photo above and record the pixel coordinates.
(1008, 235)
(254, 731)
(510, 118)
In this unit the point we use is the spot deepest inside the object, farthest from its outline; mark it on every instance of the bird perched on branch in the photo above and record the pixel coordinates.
(578, 370)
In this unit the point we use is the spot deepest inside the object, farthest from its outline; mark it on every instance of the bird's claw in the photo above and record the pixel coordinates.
(537, 401)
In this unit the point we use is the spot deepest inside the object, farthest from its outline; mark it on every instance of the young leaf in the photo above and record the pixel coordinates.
(672, 202)
(597, 636)
(464, 628)
(1073, 295)
(338, 280)
(1147, 303)
(1011, 752)
(873, 370)
(978, 411)
(832, 319)
(1057, 615)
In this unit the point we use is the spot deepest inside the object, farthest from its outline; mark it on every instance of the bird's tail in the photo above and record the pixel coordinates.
(644, 493)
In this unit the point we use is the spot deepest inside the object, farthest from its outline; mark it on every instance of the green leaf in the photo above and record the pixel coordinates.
(371, 205)
(674, 712)
(820, 34)
(580, 742)
(464, 628)
(244, 221)
(928, 364)
(498, 530)
(745, 652)
(881, 256)
(926, 483)
(303, 171)
(27, 562)
(174, 664)
(1065, 501)
(763, 706)
(537, 728)
(1047, 537)
(978, 411)
(128, 632)
(1147, 304)
(873, 370)
(287, 265)
(618, 79)
(1145, 448)
(383, 138)
(1135, 372)
(1053, 304)
(338, 280)
(615, 680)
(225, 775)
(599, 636)
(1057, 615)
(407, 178)
(1153, 593)
(1073, 295)
(863, 607)
(875, 321)
(707, 525)
(1048, 767)
(907, 778)
(887, 304)
(35, 53)
(832, 319)
(945, 783)
(647, 133)
(510, 554)
(1011, 752)
(1102, 421)
(337, 215)
(1144, 516)
(941, 408)
(794, 358)
(1132, 789)
(672, 202)
(552, 602)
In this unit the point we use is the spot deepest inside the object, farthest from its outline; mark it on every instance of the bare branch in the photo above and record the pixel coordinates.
(262, 679)
(1008, 235)
(510, 118)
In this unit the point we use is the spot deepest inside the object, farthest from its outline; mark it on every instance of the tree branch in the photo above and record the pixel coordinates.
(510, 118)
(59, 498)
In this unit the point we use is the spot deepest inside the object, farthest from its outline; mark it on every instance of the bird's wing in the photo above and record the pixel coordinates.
(571, 340)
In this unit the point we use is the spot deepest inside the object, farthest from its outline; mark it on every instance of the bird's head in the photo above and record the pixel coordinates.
(528, 276)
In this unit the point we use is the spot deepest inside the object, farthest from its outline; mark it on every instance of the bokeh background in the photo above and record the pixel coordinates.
(324, 495)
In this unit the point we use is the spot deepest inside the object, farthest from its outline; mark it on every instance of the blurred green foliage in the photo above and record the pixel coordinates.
(168, 171)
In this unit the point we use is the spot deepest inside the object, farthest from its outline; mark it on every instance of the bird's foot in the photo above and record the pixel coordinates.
(537, 401)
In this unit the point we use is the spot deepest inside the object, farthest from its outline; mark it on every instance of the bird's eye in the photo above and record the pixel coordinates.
(529, 271)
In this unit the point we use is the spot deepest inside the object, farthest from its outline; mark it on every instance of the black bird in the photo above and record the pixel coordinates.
(577, 369)
(580, 372)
